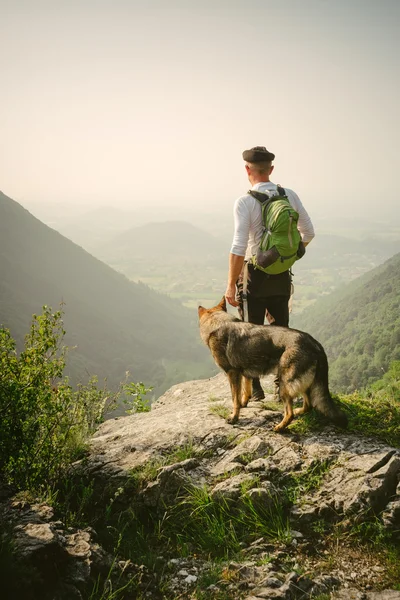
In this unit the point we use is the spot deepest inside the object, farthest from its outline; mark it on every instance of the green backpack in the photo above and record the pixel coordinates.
(281, 243)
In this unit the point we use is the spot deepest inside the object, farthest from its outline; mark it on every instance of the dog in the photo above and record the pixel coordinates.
(244, 350)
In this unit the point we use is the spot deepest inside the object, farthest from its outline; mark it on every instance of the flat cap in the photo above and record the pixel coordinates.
(258, 154)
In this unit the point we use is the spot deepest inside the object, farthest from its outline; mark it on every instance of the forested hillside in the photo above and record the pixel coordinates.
(116, 325)
(359, 326)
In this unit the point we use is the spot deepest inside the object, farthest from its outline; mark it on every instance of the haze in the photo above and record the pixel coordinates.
(132, 104)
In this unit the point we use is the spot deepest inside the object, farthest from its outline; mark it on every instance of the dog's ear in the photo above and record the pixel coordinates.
(201, 310)
(222, 304)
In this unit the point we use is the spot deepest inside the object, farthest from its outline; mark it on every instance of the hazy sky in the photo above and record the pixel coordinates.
(128, 102)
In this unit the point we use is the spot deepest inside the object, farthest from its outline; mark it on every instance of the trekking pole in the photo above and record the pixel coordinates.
(244, 294)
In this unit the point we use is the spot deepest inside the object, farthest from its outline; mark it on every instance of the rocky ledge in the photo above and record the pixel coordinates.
(331, 484)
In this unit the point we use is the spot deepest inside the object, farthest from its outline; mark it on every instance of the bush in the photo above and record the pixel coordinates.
(44, 423)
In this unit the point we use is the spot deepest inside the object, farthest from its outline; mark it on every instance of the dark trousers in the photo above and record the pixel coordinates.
(277, 306)
(265, 293)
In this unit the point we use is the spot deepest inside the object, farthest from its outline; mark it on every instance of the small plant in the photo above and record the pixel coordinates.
(245, 458)
(137, 402)
(111, 588)
(264, 560)
(239, 439)
(302, 483)
(220, 410)
(149, 470)
(249, 484)
(272, 405)
(319, 526)
(371, 531)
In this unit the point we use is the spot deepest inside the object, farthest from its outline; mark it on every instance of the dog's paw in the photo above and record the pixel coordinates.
(279, 428)
(244, 402)
(232, 419)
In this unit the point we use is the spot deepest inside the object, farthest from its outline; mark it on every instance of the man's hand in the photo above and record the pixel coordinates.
(235, 267)
(230, 295)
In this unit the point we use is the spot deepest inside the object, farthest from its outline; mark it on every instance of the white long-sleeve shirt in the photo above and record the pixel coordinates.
(249, 225)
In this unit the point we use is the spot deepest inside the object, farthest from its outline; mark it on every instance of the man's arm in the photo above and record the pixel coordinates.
(241, 218)
(235, 268)
(304, 224)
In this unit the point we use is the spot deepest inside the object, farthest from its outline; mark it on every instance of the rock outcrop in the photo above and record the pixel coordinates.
(337, 477)
(327, 480)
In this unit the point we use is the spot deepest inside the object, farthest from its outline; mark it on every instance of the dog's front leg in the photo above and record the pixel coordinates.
(235, 380)
(246, 391)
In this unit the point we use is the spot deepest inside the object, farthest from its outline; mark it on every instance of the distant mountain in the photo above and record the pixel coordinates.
(116, 325)
(359, 326)
(169, 241)
(93, 227)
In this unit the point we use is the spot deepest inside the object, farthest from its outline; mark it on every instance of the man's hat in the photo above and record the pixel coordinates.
(258, 154)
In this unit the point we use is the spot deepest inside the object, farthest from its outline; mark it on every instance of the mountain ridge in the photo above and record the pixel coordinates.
(117, 324)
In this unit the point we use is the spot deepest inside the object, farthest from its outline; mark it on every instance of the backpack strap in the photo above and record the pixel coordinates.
(262, 197)
(265, 198)
(281, 191)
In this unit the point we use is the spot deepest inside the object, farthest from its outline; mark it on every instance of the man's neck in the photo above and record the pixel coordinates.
(254, 180)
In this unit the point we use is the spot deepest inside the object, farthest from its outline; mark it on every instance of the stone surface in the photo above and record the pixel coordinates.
(362, 477)
(247, 461)
(63, 560)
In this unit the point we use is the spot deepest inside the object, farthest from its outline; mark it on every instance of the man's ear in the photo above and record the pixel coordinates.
(222, 304)
(272, 168)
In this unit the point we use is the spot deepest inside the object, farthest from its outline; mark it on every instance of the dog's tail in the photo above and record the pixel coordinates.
(321, 398)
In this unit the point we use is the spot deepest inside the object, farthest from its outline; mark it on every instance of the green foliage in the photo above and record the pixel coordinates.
(218, 574)
(359, 326)
(373, 415)
(389, 386)
(298, 484)
(44, 423)
(137, 402)
(217, 528)
(111, 587)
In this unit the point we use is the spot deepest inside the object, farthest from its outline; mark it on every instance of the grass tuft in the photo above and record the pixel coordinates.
(221, 410)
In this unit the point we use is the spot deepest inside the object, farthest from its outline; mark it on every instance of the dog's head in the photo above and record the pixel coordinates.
(207, 311)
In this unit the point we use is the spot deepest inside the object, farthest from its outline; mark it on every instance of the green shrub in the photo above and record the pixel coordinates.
(44, 423)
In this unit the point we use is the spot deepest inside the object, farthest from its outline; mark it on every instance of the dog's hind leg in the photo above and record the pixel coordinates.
(306, 405)
(288, 410)
(246, 391)
(235, 380)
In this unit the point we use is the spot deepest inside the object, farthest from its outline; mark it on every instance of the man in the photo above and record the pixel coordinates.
(267, 294)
